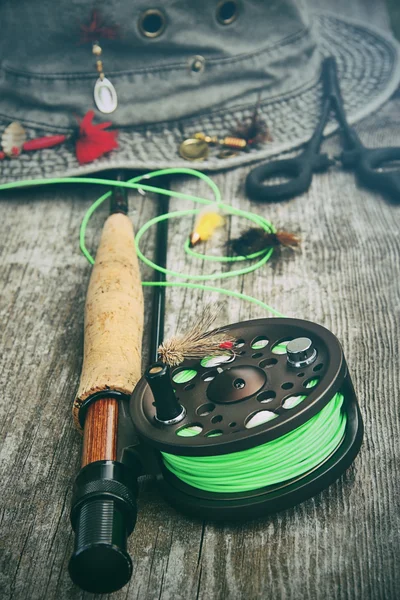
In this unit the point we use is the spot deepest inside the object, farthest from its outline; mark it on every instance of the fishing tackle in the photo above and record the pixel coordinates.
(235, 434)
(97, 29)
(256, 239)
(206, 223)
(158, 303)
(197, 342)
(105, 95)
(259, 430)
(91, 140)
(196, 148)
(254, 130)
(103, 511)
(375, 168)
(229, 141)
(251, 430)
(193, 149)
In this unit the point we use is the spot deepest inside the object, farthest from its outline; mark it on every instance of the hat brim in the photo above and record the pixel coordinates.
(368, 63)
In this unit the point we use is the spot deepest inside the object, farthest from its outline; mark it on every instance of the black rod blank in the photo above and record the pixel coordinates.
(158, 310)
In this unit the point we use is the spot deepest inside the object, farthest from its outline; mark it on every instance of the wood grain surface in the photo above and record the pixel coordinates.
(344, 543)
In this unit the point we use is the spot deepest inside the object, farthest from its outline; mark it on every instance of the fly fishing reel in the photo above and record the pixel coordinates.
(257, 429)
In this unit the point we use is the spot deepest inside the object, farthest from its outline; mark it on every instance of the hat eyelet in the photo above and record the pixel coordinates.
(227, 11)
(197, 64)
(152, 23)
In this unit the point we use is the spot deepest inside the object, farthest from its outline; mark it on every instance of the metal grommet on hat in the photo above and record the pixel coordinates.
(152, 23)
(197, 64)
(227, 11)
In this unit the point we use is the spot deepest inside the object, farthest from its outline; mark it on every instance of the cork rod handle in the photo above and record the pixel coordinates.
(113, 318)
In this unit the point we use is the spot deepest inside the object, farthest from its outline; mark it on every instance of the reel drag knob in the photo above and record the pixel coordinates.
(168, 409)
(300, 352)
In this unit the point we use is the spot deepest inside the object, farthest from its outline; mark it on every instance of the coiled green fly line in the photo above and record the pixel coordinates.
(279, 460)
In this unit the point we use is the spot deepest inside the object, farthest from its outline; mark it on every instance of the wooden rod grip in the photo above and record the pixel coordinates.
(113, 315)
(100, 431)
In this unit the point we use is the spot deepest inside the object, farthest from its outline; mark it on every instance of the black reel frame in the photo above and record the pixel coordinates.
(215, 404)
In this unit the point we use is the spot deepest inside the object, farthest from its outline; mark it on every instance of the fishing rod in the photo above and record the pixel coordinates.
(104, 510)
(234, 422)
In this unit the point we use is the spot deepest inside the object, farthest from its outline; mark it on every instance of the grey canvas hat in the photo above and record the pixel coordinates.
(178, 68)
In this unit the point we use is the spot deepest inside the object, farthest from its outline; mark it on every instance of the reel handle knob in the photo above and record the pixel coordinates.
(168, 409)
(300, 352)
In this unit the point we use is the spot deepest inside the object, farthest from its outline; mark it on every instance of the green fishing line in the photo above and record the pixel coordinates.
(134, 184)
(279, 460)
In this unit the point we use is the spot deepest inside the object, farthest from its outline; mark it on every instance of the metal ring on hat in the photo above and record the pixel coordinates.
(227, 11)
(152, 23)
(197, 64)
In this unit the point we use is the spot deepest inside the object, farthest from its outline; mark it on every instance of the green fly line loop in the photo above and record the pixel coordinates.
(134, 184)
(260, 221)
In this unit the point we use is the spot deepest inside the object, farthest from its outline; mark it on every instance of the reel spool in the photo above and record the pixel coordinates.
(280, 375)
